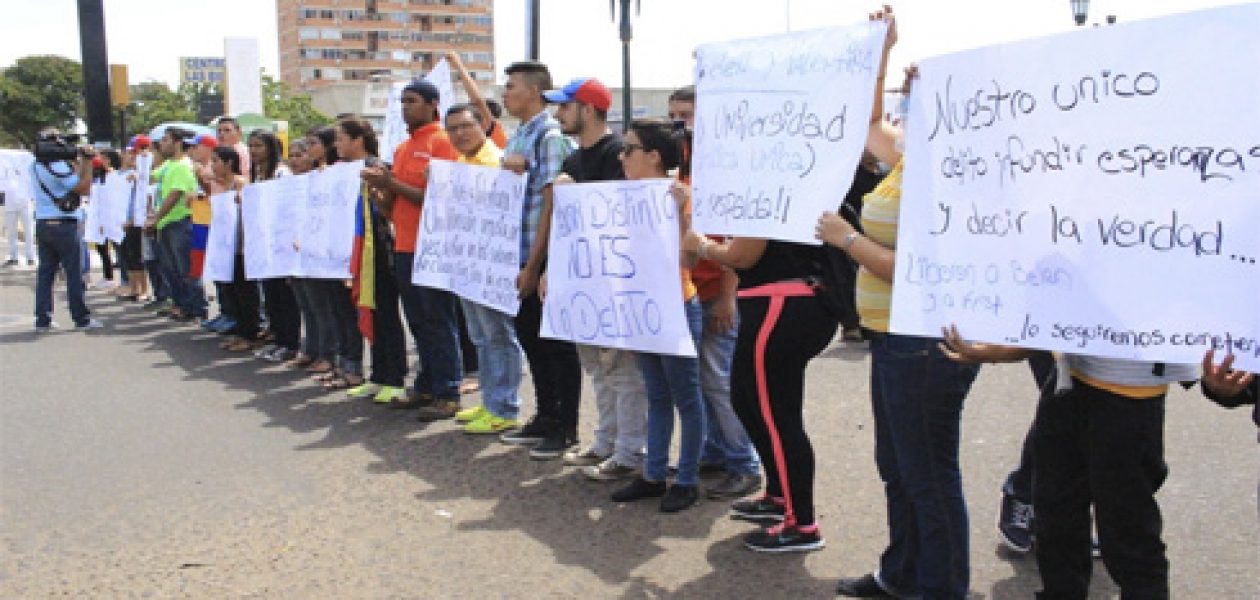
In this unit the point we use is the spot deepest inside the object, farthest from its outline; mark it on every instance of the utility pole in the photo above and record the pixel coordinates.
(533, 23)
(92, 45)
(627, 102)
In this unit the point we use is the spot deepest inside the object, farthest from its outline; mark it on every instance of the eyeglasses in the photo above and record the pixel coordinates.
(629, 148)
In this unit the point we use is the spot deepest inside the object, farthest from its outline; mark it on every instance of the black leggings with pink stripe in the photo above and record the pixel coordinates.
(777, 337)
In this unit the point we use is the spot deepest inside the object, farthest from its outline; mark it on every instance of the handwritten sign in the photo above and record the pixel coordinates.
(15, 178)
(781, 122)
(115, 200)
(93, 230)
(612, 272)
(140, 201)
(1103, 202)
(220, 261)
(326, 239)
(469, 241)
(271, 217)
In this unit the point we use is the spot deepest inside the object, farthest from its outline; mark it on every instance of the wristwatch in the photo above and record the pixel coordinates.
(848, 240)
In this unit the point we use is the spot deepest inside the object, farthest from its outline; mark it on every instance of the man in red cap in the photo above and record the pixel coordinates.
(620, 398)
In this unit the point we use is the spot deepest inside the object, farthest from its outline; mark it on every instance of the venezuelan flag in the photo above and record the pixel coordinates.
(200, 208)
(363, 266)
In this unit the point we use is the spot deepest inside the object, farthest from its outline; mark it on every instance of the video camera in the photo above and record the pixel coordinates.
(53, 147)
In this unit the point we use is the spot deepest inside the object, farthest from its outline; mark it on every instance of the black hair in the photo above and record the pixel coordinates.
(686, 93)
(360, 129)
(535, 73)
(230, 156)
(266, 169)
(112, 159)
(673, 145)
(181, 135)
(468, 108)
(326, 136)
(232, 120)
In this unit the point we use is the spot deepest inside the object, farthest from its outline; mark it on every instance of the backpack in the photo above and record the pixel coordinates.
(832, 274)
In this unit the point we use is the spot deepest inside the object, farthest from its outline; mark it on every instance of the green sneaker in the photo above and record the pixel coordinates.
(389, 394)
(468, 415)
(490, 424)
(363, 390)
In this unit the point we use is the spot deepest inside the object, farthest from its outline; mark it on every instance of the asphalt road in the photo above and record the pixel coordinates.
(143, 462)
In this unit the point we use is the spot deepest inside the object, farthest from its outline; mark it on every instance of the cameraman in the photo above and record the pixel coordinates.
(58, 185)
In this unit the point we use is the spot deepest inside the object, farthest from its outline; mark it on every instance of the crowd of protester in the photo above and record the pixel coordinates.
(1092, 460)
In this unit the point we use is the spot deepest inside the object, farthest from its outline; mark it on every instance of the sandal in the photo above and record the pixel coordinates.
(343, 382)
(326, 377)
(225, 344)
(240, 345)
(319, 366)
(299, 361)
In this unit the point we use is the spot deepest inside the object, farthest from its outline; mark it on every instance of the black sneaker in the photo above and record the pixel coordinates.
(865, 586)
(784, 538)
(679, 497)
(761, 510)
(534, 432)
(639, 489)
(1015, 524)
(553, 446)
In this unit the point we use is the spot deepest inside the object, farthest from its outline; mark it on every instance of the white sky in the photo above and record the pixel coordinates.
(579, 38)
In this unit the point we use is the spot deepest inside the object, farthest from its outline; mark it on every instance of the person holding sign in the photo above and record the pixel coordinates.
(431, 313)
(539, 149)
(137, 283)
(283, 319)
(493, 333)
(225, 175)
(917, 396)
(375, 291)
(620, 398)
(782, 326)
(651, 150)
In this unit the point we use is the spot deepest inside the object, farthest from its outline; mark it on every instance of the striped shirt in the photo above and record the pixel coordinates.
(544, 148)
(1129, 378)
(880, 210)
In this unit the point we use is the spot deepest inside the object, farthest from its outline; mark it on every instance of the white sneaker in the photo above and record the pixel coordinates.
(91, 325)
(584, 458)
(609, 470)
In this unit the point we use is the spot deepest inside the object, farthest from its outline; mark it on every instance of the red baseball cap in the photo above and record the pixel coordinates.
(206, 140)
(586, 90)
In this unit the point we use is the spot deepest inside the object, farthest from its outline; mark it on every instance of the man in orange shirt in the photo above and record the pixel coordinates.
(431, 313)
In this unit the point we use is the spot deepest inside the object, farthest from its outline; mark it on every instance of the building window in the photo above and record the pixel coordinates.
(330, 33)
(352, 35)
(308, 33)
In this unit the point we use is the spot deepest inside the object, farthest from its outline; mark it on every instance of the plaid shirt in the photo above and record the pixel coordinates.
(544, 148)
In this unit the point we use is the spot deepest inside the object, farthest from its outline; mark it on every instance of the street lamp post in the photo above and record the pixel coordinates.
(1080, 10)
(627, 108)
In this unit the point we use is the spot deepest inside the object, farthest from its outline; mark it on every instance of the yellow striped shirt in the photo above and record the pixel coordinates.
(880, 210)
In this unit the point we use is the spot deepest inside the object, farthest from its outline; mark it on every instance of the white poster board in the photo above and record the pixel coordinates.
(115, 198)
(613, 277)
(271, 218)
(93, 229)
(326, 239)
(140, 200)
(469, 239)
(16, 178)
(220, 260)
(781, 123)
(395, 131)
(1104, 202)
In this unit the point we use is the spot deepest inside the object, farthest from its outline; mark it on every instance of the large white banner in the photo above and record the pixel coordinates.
(1096, 192)
(115, 201)
(781, 122)
(613, 276)
(140, 200)
(220, 260)
(244, 76)
(469, 239)
(303, 225)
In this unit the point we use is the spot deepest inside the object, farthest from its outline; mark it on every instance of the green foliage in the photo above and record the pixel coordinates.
(282, 104)
(38, 92)
(153, 103)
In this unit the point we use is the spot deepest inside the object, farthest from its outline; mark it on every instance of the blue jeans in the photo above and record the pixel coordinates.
(917, 399)
(59, 247)
(674, 382)
(498, 358)
(433, 318)
(175, 242)
(725, 441)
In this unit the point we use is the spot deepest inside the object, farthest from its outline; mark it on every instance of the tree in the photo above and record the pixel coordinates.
(153, 103)
(38, 92)
(282, 104)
